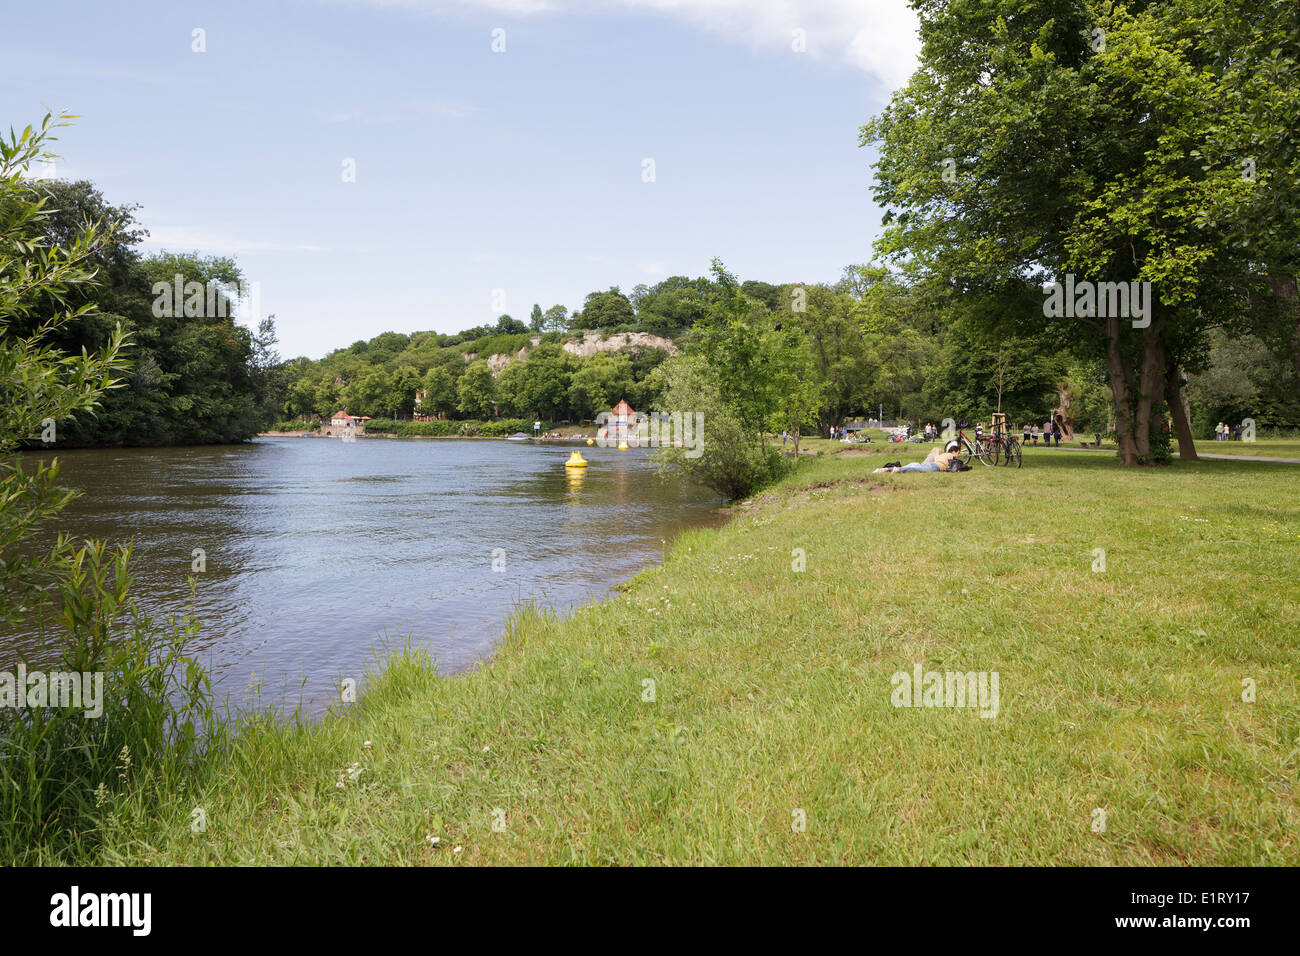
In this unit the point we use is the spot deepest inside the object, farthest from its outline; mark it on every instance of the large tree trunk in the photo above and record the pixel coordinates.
(1150, 380)
(1182, 425)
(1134, 400)
(1121, 389)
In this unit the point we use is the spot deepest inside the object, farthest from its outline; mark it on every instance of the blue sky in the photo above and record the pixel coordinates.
(475, 170)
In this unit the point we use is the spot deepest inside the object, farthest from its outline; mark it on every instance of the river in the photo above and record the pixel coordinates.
(318, 552)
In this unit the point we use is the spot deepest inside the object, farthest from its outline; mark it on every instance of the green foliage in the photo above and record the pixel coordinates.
(507, 426)
(497, 344)
(445, 427)
(600, 383)
(196, 376)
(295, 425)
(41, 388)
(476, 390)
(67, 777)
(976, 375)
(439, 388)
(1244, 378)
(1024, 151)
(735, 461)
(435, 429)
(604, 310)
(758, 364)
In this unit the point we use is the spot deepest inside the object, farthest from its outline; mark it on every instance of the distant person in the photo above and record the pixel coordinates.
(1236, 432)
(1056, 433)
(1025, 439)
(1047, 433)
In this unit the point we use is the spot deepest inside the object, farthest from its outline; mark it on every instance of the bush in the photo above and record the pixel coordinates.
(443, 428)
(506, 426)
(386, 426)
(66, 776)
(496, 345)
(295, 426)
(734, 462)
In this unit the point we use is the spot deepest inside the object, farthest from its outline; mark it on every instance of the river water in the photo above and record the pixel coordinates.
(319, 552)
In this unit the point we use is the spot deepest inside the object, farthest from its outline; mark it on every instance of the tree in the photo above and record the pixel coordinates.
(536, 320)
(1030, 148)
(604, 310)
(369, 394)
(194, 377)
(675, 303)
(556, 319)
(978, 372)
(63, 775)
(40, 387)
(270, 385)
(747, 354)
(731, 461)
(599, 384)
(538, 385)
(399, 398)
(476, 390)
(439, 391)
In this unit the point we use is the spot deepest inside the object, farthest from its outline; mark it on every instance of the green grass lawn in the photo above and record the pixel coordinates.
(1268, 447)
(1120, 690)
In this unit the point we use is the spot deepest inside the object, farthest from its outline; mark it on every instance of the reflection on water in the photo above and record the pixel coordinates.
(319, 550)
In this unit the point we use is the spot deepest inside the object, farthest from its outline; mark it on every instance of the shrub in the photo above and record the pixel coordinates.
(386, 426)
(296, 426)
(67, 776)
(506, 426)
(735, 462)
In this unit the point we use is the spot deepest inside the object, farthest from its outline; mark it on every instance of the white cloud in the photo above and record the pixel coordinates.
(875, 36)
(182, 238)
(652, 268)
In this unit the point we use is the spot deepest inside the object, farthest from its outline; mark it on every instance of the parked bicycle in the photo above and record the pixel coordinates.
(972, 448)
(992, 450)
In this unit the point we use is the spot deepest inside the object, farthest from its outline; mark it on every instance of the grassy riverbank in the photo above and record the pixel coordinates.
(1119, 689)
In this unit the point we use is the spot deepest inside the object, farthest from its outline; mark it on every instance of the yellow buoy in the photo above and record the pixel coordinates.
(576, 461)
(591, 441)
(622, 446)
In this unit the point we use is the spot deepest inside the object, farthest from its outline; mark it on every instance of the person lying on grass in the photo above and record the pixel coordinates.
(947, 460)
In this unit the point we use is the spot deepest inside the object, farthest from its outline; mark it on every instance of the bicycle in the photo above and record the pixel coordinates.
(1012, 453)
(1003, 450)
(1003, 447)
(968, 450)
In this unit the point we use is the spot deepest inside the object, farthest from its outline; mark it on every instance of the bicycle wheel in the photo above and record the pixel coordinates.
(965, 453)
(1013, 454)
(991, 451)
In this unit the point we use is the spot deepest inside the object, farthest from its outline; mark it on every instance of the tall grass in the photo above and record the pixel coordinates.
(67, 777)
